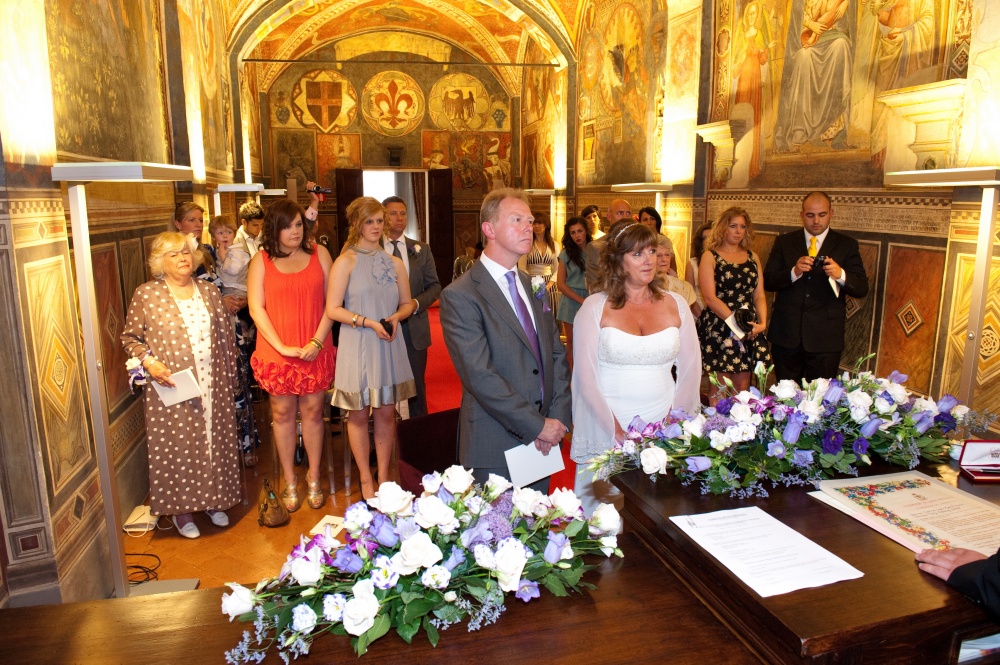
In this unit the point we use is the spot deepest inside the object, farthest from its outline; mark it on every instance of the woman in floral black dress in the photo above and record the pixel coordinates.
(730, 278)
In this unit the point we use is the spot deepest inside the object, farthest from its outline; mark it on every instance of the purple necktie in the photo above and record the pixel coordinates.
(529, 328)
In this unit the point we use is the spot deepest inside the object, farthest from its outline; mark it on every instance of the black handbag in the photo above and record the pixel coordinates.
(745, 319)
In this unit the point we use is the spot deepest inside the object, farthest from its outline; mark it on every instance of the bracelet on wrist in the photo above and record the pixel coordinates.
(315, 342)
(354, 321)
(363, 319)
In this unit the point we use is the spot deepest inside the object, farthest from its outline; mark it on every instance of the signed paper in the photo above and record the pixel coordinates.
(768, 556)
(919, 512)
(527, 464)
(185, 387)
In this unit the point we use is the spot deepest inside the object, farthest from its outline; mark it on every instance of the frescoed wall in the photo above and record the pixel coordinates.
(800, 82)
(323, 119)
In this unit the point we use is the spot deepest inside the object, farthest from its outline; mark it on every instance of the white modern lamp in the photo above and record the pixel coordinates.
(988, 178)
(77, 175)
(254, 187)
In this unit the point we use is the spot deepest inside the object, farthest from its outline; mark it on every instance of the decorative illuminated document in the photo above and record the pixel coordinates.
(919, 512)
(768, 556)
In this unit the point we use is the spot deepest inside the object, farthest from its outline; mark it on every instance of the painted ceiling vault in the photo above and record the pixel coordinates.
(490, 31)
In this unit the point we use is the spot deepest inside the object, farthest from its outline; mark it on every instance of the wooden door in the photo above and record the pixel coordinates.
(349, 185)
(441, 222)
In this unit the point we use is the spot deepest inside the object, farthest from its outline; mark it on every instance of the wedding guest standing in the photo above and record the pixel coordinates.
(697, 249)
(730, 278)
(592, 214)
(369, 295)
(175, 323)
(294, 359)
(542, 260)
(571, 277)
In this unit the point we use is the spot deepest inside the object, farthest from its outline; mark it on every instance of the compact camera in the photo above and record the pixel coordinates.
(320, 190)
(818, 263)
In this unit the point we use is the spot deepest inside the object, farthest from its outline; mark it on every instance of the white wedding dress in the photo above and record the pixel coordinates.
(618, 376)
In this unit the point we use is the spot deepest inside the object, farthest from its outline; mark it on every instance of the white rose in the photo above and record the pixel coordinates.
(431, 483)
(303, 618)
(526, 499)
(718, 440)
(416, 552)
(457, 479)
(860, 403)
(496, 485)
(924, 404)
(240, 601)
(433, 512)
(510, 559)
(608, 544)
(654, 460)
(742, 413)
(695, 426)
(360, 611)
(605, 520)
(899, 394)
(884, 406)
(819, 388)
(811, 410)
(785, 389)
(959, 412)
(566, 502)
(484, 556)
(392, 499)
(306, 570)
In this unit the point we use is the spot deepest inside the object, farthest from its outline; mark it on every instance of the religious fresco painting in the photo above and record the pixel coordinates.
(622, 60)
(250, 113)
(543, 116)
(497, 162)
(336, 151)
(800, 79)
(294, 156)
(106, 80)
(325, 100)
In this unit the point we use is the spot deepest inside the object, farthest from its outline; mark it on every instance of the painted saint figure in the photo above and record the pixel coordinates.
(753, 43)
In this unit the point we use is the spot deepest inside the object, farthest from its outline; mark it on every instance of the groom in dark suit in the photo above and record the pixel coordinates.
(424, 289)
(505, 347)
(811, 272)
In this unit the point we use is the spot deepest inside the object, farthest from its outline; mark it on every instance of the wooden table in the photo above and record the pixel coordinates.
(639, 613)
(893, 614)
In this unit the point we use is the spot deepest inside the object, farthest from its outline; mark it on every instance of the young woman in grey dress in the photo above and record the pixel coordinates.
(368, 286)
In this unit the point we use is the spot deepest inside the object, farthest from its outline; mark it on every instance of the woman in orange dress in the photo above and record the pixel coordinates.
(294, 359)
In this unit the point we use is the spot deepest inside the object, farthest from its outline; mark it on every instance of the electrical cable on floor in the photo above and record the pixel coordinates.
(139, 574)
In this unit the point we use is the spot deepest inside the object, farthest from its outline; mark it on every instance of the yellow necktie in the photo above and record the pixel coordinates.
(812, 246)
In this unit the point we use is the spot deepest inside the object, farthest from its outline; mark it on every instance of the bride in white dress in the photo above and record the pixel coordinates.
(627, 339)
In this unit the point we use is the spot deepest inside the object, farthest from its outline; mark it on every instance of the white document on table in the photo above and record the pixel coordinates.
(185, 387)
(919, 512)
(768, 556)
(527, 464)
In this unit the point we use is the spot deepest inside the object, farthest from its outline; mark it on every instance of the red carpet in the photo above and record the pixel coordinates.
(444, 391)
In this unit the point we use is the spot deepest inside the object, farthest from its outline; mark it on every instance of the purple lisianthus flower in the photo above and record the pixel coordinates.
(321, 541)
(870, 427)
(383, 531)
(678, 414)
(834, 392)
(724, 406)
(897, 377)
(924, 421)
(383, 576)
(793, 428)
(526, 590)
(945, 421)
(407, 527)
(802, 457)
(833, 442)
(347, 561)
(698, 463)
(860, 445)
(775, 449)
(673, 431)
(947, 403)
(753, 391)
(455, 559)
(478, 533)
(445, 496)
(554, 547)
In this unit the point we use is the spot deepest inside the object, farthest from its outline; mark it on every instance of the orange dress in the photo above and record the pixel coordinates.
(295, 303)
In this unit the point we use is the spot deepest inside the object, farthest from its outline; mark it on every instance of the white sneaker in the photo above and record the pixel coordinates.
(189, 530)
(218, 517)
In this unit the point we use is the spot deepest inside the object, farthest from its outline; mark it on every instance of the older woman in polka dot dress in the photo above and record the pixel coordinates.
(176, 322)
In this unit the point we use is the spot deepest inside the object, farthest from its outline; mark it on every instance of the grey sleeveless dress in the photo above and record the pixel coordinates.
(371, 371)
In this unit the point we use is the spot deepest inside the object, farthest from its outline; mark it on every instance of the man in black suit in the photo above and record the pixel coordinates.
(972, 573)
(424, 289)
(811, 272)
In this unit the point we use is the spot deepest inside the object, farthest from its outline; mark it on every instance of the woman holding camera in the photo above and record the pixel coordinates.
(731, 327)
(369, 294)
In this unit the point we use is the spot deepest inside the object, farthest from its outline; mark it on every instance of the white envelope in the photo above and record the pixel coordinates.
(527, 464)
(185, 387)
